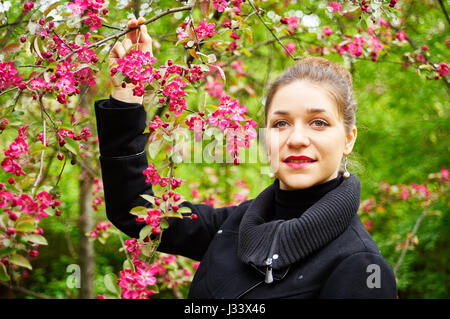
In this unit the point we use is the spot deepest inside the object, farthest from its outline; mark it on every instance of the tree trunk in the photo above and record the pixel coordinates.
(86, 250)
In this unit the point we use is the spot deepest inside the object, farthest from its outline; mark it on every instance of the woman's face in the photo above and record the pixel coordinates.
(303, 120)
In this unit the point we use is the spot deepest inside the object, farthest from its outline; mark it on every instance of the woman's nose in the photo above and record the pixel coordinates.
(298, 137)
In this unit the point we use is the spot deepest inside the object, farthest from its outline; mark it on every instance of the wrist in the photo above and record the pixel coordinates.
(126, 95)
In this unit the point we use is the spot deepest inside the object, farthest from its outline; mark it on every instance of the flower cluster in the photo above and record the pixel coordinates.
(203, 30)
(63, 133)
(97, 198)
(153, 177)
(442, 69)
(336, 6)
(291, 22)
(27, 7)
(136, 66)
(19, 146)
(220, 5)
(136, 283)
(227, 118)
(8, 75)
(101, 226)
(214, 87)
(153, 219)
(91, 8)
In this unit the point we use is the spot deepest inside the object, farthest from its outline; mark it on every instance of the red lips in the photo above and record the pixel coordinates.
(292, 158)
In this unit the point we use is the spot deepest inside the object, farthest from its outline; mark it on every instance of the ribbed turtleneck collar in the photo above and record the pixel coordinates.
(261, 237)
(293, 203)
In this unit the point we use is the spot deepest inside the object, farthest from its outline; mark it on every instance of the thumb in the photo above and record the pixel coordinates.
(145, 39)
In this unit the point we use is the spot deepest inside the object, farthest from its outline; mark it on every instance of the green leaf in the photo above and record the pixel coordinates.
(36, 239)
(72, 146)
(37, 148)
(139, 211)
(184, 209)
(52, 6)
(145, 232)
(127, 264)
(164, 224)
(26, 228)
(176, 158)
(4, 276)
(20, 261)
(154, 147)
(146, 250)
(110, 281)
(149, 198)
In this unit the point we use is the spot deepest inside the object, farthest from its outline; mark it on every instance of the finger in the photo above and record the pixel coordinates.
(132, 35)
(118, 51)
(127, 44)
(145, 39)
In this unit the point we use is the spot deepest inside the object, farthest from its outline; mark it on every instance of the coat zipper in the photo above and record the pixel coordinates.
(270, 258)
(269, 275)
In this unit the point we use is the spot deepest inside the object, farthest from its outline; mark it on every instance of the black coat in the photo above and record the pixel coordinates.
(326, 253)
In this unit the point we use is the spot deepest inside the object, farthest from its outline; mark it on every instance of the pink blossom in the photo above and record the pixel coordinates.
(327, 31)
(405, 193)
(292, 23)
(174, 89)
(45, 199)
(336, 6)
(168, 259)
(290, 48)
(205, 29)
(196, 74)
(136, 65)
(135, 284)
(445, 174)
(401, 35)
(152, 174)
(355, 47)
(11, 166)
(8, 75)
(384, 22)
(238, 66)
(177, 105)
(195, 264)
(214, 88)
(220, 5)
(153, 217)
(442, 69)
(27, 7)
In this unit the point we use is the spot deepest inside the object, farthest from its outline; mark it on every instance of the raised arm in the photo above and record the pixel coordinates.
(121, 119)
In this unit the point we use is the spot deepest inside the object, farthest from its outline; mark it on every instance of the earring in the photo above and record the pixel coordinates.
(346, 172)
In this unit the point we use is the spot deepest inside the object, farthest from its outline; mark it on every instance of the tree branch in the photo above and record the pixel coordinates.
(27, 292)
(444, 10)
(414, 231)
(271, 31)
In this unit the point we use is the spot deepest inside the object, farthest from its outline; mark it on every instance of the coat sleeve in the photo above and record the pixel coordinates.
(362, 275)
(123, 158)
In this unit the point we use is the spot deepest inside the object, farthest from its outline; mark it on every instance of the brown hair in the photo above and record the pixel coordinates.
(327, 74)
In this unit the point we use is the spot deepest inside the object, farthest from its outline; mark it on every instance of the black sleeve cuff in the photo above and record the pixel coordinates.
(120, 126)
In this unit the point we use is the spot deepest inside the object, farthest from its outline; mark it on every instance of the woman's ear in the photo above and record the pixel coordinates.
(350, 140)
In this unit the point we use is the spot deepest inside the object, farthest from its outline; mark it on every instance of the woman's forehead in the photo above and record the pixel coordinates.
(302, 98)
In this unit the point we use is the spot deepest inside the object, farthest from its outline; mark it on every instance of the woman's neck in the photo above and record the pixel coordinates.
(293, 203)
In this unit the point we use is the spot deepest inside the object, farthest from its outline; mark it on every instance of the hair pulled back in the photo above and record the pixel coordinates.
(329, 75)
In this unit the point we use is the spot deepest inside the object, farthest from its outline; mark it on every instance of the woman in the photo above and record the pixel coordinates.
(300, 237)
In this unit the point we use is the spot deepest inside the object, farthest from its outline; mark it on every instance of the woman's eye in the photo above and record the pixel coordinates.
(323, 123)
(279, 124)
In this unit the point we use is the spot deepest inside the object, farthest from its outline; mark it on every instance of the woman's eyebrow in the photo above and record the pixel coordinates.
(309, 111)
